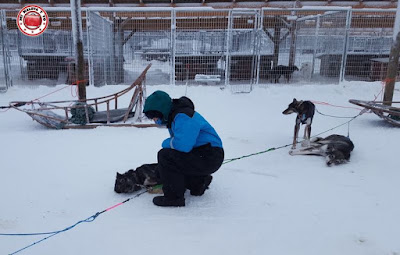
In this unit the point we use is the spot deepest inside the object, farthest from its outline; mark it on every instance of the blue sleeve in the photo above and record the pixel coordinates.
(185, 130)
(166, 144)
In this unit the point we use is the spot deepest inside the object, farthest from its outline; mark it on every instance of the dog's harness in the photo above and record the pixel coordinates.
(303, 119)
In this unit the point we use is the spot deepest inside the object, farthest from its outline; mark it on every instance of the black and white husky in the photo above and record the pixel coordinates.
(305, 113)
(335, 148)
(134, 180)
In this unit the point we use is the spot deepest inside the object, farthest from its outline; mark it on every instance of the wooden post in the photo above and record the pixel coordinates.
(108, 112)
(292, 54)
(276, 40)
(120, 53)
(76, 17)
(95, 104)
(393, 65)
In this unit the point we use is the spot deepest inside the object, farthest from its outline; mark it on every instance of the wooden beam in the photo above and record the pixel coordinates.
(269, 34)
(284, 37)
(129, 36)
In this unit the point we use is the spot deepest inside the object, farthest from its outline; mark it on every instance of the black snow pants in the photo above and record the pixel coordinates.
(180, 170)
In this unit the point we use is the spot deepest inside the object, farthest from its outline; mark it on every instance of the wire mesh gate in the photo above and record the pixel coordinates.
(217, 48)
(100, 50)
(200, 43)
(44, 59)
(242, 50)
(143, 37)
(370, 39)
(312, 42)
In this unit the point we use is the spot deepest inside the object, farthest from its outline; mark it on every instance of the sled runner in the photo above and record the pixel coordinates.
(389, 113)
(89, 113)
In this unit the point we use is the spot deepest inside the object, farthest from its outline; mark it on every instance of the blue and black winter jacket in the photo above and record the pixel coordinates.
(188, 129)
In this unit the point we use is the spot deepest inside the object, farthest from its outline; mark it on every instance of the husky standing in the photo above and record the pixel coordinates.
(305, 112)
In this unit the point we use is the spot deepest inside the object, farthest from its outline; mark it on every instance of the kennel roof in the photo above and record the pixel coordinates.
(150, 19)
(212, 3)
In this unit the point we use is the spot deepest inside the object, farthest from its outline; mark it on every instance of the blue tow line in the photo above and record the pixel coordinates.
(53, 233)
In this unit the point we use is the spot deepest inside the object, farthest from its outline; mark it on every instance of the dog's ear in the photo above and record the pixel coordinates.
(118, 175)
(294, 100)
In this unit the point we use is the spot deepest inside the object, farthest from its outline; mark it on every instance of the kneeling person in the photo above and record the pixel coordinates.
(192, 152)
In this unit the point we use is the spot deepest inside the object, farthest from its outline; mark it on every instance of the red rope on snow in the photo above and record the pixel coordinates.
(328, 104)
(380, 92)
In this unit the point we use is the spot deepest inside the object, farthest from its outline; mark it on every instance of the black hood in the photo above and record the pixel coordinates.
(180, 105)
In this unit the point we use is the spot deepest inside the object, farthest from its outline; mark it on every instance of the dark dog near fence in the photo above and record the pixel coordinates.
(305, 112)
(134, 180)
(335, 148)
(280, 70)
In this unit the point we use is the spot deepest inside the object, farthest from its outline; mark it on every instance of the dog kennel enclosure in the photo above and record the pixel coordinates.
(235, 48)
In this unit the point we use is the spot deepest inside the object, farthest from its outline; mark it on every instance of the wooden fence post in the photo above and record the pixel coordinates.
(76, 17)
(393, 65)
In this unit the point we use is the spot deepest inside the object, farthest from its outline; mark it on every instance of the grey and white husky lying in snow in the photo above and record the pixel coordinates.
(335, 148)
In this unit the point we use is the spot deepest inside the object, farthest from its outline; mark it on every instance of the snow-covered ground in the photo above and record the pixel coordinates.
(271, 203)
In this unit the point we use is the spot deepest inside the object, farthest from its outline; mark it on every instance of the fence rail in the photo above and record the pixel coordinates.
(239, 48)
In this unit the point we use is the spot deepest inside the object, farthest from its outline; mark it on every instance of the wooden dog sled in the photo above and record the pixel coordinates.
(390, 114)
(85, 114)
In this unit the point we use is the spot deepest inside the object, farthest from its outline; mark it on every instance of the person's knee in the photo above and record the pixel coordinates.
(163, 154)
(167, 158)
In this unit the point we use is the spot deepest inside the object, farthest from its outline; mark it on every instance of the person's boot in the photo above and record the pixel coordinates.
(199, 191)
(165, 201)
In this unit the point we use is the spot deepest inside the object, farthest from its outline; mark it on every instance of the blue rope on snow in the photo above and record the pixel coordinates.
(53, 233)
(90, 219)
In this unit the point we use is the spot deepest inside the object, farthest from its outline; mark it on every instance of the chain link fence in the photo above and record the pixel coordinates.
(239, 48)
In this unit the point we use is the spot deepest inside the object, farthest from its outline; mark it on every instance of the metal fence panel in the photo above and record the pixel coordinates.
(143, 37)
(100, 50)
(46, 59)
(370, 40)
(331, 45)
(242, 49)
(200, 43)
(303, 46)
